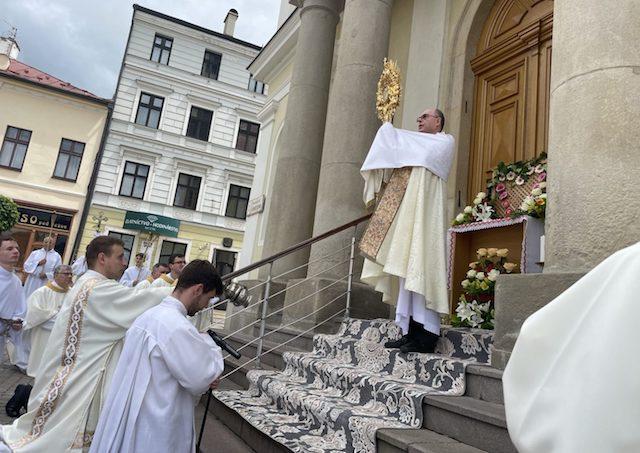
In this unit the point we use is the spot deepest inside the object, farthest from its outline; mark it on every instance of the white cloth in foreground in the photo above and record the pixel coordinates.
(42, 307)
(164, 368)
(571, 384)
(414, 248)
(77, 365)
(134, 274)
(33, 270)
(12, 307)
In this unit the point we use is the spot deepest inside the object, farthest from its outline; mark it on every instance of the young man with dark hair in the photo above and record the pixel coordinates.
(176, 264)
(136, 273)
(81, 355)
(13, 307)
(164, 367)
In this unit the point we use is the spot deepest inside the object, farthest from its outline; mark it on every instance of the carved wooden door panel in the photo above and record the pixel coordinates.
(512, 70)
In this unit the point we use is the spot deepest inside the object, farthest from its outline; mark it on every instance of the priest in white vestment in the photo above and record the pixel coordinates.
(157, 270)
(176, 264)
(42, 308)
(83, 350)
(571, 384)
(165, 366)
(135, 274)
(40, 265)
(12, 304)
(79, 266)
(410, 266)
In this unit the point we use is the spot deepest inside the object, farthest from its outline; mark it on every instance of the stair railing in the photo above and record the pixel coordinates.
(204, 318)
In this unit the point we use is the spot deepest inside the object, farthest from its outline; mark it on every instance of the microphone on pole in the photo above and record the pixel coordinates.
(223, 344)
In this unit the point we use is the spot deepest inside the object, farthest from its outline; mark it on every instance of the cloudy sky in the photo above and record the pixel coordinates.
(82, 41)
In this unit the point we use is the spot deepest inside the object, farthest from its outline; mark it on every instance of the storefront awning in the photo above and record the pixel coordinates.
(151, 223)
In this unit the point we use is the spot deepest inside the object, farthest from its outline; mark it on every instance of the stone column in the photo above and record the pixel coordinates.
(594, 160)
(290, 218)
(351, 123)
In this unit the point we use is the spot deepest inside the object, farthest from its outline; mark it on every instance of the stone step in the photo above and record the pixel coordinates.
(393, 440)
(484, 383)
(239, 377)
(481, 424)
(272, 359)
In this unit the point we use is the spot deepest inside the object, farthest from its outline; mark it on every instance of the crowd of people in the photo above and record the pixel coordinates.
(117, 362)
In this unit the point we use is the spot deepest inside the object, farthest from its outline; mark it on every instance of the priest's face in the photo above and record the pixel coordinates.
(115, 263)
(47, 243)
(9, 253)
(429, 122)
(157, 272)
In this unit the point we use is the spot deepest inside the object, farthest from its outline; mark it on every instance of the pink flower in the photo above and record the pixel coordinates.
(535, 186)
(542, 176)
(503, 195)
(508, 212)
(506, 204)
(500, 187)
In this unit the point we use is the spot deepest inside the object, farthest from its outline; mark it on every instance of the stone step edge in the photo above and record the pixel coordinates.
(422, 440)
(469, 407)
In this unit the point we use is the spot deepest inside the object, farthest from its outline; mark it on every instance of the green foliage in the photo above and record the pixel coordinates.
(8, 213)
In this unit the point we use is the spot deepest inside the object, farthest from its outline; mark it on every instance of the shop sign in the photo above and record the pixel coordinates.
(43, 219)
(151, 223)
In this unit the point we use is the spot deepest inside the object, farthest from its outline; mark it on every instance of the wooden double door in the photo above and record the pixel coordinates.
(512, 71)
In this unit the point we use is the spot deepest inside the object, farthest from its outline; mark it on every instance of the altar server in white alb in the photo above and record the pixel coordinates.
(176, 264)
(12, 304)
(157, 270)
(164, 368)
(42, 308)
(571, 384)
(40, 265)
(137, 273)
(78, 363)
(406, 236)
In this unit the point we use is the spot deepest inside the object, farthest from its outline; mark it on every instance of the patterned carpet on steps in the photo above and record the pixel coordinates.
(336, 397)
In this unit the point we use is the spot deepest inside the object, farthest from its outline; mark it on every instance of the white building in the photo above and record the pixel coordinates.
(182, 141)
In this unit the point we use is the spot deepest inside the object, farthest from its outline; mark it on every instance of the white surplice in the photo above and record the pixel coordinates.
(42, 307)
(31, 267)
(164, 368)
(146, 283)
(134, 273)
(12, 307)
(414, 248)
(79, 266)
(77, 365)
(571, 384)
(165, 280)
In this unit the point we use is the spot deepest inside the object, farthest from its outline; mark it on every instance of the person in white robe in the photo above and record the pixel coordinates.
(12, 304)
(40, 265)
(42, 308)
(137, 273)
(164, 368)
(78, 363)
(157, 270)
(176, 264)
(571, 383)
(79, 266)
(410, 266)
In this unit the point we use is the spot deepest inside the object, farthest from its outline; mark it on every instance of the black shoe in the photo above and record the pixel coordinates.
(18, 401)
(425, 344)
(397, 343)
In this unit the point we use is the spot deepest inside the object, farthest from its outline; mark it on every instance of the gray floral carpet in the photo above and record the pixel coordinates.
(334, 398)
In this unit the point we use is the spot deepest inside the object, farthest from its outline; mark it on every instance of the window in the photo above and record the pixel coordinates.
(199, 123)
(256, 86)
(149, 110)
(171, 248)
(187, 191)
(69, 159)
(161, 49)
(224, 261)
(128, 242)
(134, 180)
(14, 148)
(247, 136)
(211, 64)
(237, 202)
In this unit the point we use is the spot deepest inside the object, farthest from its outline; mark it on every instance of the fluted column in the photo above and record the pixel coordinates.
(290, 218)
(594, 138)
(351, 122)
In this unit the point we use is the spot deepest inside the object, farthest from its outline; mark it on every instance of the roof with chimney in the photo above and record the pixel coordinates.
(20, 71)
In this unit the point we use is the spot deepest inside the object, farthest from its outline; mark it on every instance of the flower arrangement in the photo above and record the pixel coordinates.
(475, 306)
(535, 204)
(480, 211)
(8, 213)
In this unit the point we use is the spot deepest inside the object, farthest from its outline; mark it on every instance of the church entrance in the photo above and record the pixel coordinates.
(512, 70)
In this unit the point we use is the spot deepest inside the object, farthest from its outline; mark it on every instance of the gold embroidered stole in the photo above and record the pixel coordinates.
(384, 213)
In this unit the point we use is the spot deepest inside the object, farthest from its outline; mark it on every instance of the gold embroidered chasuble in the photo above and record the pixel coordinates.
(78, 362)
(163, 280)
